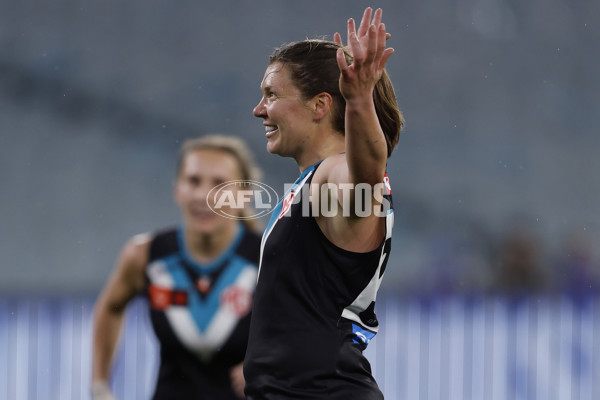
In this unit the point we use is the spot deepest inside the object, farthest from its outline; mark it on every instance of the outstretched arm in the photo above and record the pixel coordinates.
(366, 152)
(366, 148)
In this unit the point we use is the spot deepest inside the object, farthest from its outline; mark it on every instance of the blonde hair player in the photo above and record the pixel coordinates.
(199, 279)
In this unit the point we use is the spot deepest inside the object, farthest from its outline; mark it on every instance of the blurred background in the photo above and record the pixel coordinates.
(495, 267)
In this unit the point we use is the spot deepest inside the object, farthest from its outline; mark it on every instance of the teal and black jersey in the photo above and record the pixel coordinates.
(200, 314)
(313, 309)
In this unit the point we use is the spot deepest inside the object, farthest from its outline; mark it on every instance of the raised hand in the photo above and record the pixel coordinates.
(364, 27)
(369, 52)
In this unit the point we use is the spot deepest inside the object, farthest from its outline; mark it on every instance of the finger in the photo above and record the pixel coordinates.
(364, 23)
(353, 41)
(385, 56)
(351, 29)
(372, 45)
(388, 35)
(355, 47)
(377, 17)
(381, 37)
(337, 39)
(341, 61)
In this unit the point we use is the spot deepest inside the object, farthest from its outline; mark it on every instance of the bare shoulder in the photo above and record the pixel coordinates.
(136, 249)
(134, 258)
(128, 277)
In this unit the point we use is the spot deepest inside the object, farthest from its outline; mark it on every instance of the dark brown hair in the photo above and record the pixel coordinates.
(313, 68)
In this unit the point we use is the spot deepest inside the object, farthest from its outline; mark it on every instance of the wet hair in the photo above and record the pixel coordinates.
(313, 69)
(237, 148)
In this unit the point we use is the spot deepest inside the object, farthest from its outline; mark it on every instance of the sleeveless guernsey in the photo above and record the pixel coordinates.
(200, 314)
(313, 309)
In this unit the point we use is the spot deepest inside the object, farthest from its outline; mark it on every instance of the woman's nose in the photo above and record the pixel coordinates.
(259, 109)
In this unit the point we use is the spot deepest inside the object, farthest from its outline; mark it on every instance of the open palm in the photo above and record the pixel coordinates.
(367, 46)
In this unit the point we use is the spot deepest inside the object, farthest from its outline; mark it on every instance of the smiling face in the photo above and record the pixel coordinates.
(202, 170)
(287, 118)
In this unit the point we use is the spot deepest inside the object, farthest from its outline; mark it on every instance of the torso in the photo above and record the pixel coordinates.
(313, 311)
(200, 314)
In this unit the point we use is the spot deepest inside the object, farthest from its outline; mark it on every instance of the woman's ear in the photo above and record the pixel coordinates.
(322, 104)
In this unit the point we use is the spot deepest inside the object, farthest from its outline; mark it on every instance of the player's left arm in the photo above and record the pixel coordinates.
(365, 159)
(366, 148)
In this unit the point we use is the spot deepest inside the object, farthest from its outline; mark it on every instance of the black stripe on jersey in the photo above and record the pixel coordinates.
(164, 244)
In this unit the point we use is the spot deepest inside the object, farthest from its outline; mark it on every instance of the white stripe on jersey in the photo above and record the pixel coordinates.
(204, 345)
(369, 293)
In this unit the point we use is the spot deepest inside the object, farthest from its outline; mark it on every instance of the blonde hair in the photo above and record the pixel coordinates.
(230, 145)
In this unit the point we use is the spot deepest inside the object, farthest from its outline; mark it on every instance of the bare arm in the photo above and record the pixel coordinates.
(366, 148)
(126, 281)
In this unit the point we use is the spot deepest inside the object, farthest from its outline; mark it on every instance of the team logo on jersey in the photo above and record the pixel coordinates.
(386, 182)
(203, 284)
(161, 297)
(238, 300)
(286, 203)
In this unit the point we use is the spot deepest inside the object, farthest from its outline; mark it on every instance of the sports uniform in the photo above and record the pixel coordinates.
(200, 314)
(313, 309)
